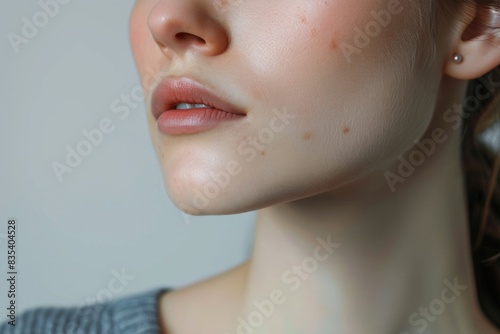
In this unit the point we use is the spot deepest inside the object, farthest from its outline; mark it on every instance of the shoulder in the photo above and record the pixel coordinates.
(214, 302)
(134, 314)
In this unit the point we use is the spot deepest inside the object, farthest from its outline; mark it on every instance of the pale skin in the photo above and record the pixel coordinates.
(324, 174)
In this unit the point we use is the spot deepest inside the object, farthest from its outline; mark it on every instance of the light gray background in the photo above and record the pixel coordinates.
(112, 211)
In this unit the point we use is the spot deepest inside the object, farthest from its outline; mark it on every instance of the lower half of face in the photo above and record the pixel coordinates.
(333, 90)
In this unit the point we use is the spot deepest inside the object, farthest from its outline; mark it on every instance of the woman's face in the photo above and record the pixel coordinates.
(332, 90)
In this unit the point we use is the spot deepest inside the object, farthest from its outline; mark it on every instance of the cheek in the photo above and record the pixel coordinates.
(141, 41)
(356, 110)
(136, 30)
(283, 33)
(307, 43)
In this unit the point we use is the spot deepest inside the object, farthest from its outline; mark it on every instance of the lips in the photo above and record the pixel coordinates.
(173, 91)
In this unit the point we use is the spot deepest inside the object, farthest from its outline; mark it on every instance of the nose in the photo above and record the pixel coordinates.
(185, 26)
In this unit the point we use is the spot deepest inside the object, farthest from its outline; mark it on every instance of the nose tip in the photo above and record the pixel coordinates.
(180, 27)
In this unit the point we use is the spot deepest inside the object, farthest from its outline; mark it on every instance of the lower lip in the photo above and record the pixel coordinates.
(190, 121)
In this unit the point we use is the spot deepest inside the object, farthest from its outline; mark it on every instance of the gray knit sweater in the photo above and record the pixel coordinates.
(135, 314)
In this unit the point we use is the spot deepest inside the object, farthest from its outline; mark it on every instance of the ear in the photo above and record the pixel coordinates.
(478, 42)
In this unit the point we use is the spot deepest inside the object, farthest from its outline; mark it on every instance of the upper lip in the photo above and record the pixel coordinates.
(172, 91)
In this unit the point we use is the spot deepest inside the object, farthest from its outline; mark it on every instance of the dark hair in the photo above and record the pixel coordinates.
(481, 163)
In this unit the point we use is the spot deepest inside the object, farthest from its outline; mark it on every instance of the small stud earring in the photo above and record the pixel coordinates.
(458, 58)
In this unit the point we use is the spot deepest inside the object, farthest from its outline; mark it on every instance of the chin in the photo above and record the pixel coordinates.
(199, 193)
(214, 197)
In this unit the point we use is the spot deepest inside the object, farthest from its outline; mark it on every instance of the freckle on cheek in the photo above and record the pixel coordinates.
(333, 43)
(224, 4)
(307, 136)
(263, 153)
(346, 130)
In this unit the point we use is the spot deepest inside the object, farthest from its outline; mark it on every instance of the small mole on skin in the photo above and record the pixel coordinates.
(263, 153)
(223, 4)
(346, 130)
(333, 44)
(303, 19)
(307, 136)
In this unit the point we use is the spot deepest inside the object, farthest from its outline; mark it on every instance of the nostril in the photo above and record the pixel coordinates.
(187, 37)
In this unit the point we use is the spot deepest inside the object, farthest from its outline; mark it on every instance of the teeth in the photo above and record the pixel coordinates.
(183, 106)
